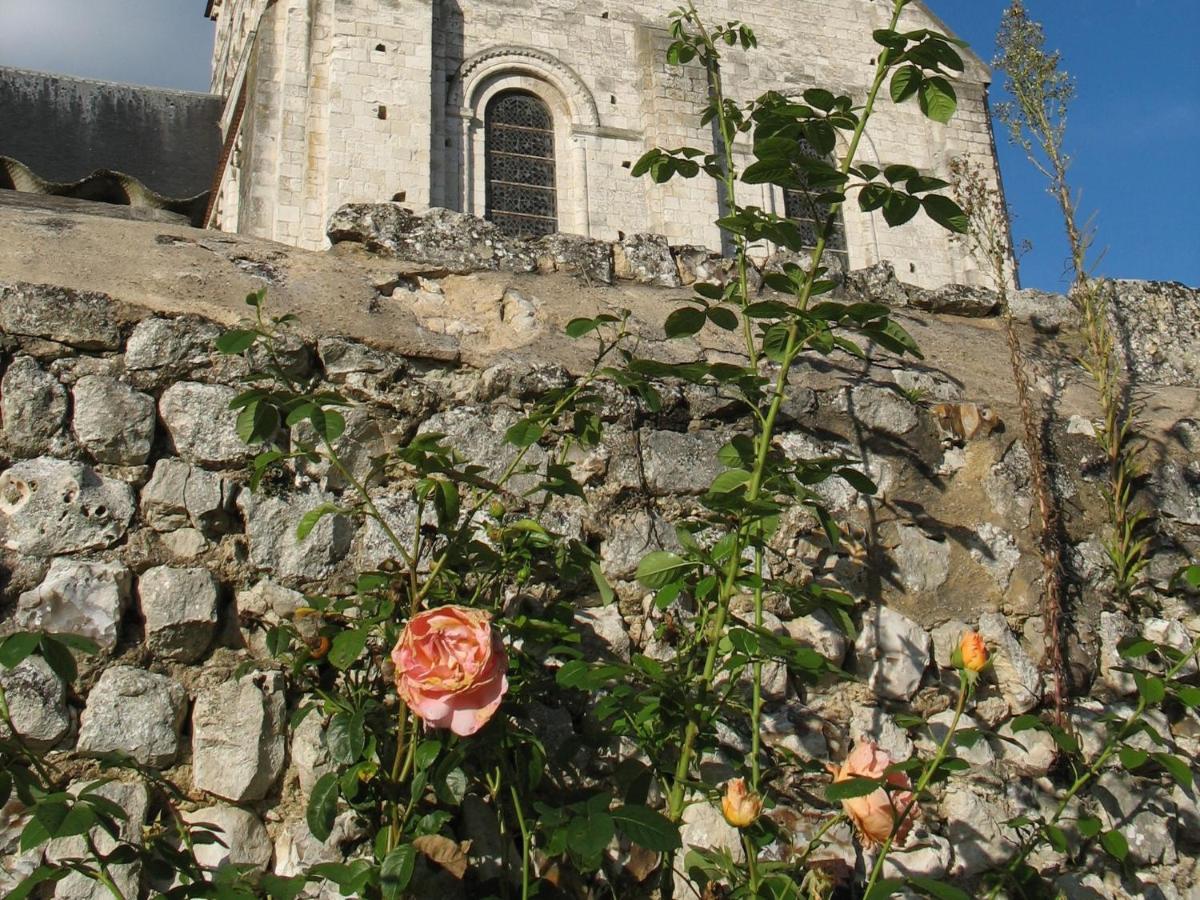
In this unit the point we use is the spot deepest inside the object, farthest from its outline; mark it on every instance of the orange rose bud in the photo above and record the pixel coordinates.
(740, 806)
(973, 652)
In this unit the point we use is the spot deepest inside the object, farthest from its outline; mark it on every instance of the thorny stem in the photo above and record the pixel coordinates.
(525, 841)
(751, 863)
(792, 349)
(1111, 746)
(965, 688)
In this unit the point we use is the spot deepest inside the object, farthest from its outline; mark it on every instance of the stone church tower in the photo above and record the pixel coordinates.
(530, 112)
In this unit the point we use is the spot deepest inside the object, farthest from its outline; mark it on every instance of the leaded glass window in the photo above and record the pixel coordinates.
(520, 165)
(804, 206)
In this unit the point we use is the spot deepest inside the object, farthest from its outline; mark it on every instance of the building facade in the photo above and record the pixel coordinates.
(531, 112)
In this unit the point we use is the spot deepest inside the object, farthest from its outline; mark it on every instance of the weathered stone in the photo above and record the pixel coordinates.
(794, 729)
(112, 421)
(923, 856)
(245, 839)
(341, 357)
(297, 849)
(876, 283)
(49, 507)
(878, 408)
(645, 258)
(1143, 812)
(309, 754)
(520, 312)
(997, 551)
(171, 347)
(78, 597)
(1157, 324)
(238, 737)
(894, 652)
(629, 537)
(179, 495)
(1029, 752)
(180, 609)
(1114, 628)
(444, 240)
(81, 319)
(1015, 672)
(681, 463)
(817, 630)
(271, 528)
(871, 723)
(184, 544)
(1007, 485)
(699, 265)
(1044, 311)
(837, 493)
(134, 712)
(34, 406)
(977, 753)
(491, 854)
(134, 800)
(478, 434)
(922, 563)
(605, 628)
(575, 255)
(201, 425)
(1177, 488)
(927, 384)
(973, 826)
(955, 300)
(36, 704)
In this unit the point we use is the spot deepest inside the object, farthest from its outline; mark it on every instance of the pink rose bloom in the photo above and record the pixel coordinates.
(875, 815)
(451, 668)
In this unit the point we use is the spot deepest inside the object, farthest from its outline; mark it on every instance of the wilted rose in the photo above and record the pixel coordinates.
(973, 651)
(451, 668)
(740, 805)
(876, 814)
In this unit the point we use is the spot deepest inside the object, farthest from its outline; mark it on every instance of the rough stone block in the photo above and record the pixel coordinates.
(201, 424)
(893, 651)
(238, 741)
(82, 319)
(180, 608)
(271, 528)
(78, 597)
(135, 712)
(36, 704)
(49, 507)
(112, 421)
(34, 406)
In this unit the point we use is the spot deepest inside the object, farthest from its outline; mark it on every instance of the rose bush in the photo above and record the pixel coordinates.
(451, 668)
(740, 806)
(877, 813)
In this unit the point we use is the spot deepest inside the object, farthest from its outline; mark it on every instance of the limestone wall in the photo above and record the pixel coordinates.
(125, 513)
(327, 73)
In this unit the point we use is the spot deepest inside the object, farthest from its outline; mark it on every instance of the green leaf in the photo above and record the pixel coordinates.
(607, 595)
(729, 480)
(933, 888)
(396, 871)
(322, 805)
(851, 788)
(937, 98)
(873, 196)
(257, 422)
(647, 828)
(1135, 648)
(59, 658)
(1188, 695)
(899, 208)
(577, 328)
(347, 647)
(310, 519)
(1178, 769)
(1132, 758)
(946, 213)
(684, 322)
(660, 568)
(525, 433)
(723, 318)
(329, 423)
(38, 876)
(1057, 837)
(427, 754)
(17, 647)
(236, 340)
(905, 83)
(884, 889)
(1151, 688)
(1089, 826)
(1115, 844)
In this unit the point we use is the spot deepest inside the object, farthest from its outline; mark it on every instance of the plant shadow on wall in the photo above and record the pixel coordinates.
(477, 742)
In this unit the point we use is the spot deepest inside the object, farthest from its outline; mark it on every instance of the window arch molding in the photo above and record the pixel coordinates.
(572, 108)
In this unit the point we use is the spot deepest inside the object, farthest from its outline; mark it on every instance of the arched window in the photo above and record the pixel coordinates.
(520, 165)
(805, 207)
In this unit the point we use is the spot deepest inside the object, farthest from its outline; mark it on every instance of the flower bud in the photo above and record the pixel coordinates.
(972, 652)
(740, 806)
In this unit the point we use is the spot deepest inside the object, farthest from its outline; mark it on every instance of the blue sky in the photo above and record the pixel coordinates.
(1134, 129)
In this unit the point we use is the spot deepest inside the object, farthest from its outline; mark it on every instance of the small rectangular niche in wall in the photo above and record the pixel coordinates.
(382, 112)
